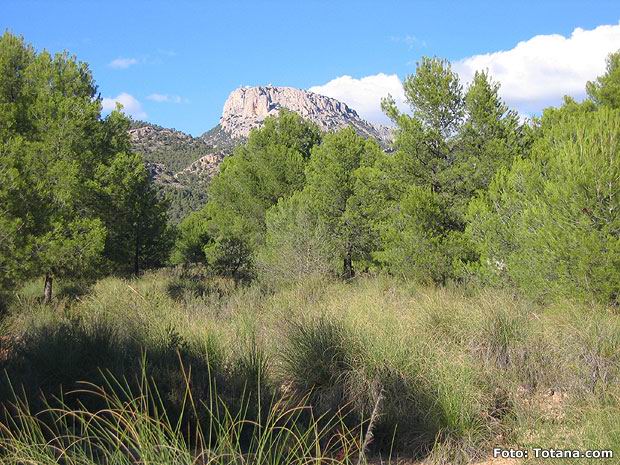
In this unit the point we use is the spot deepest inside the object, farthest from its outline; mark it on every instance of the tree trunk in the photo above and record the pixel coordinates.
(136, 258)
(348, 266)
(47, 289)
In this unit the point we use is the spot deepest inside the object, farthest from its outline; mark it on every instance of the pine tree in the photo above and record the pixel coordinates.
(330, 191)
(269, 167)
(136, 219)
(192, 236)
(605, 90)
(49, 109)
(449, 148)
(61, 213)
(550, 224)
(489, 139)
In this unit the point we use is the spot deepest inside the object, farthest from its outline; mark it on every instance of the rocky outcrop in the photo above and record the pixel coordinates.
(205, 167)
(247, 107)
(153, 136)
(162, 175)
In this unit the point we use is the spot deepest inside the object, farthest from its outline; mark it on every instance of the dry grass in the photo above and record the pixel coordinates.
(460, 370)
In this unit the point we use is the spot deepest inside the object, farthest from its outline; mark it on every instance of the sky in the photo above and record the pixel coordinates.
(174, 63)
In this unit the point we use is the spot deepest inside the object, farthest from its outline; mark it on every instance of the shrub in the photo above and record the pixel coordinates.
(297, 246)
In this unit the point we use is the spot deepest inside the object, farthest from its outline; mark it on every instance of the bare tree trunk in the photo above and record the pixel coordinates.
(47, 289)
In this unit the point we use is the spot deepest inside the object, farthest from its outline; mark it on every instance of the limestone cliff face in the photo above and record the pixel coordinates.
(247, 107)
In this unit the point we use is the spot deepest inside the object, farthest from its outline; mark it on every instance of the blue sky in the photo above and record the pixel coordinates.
(174, 63)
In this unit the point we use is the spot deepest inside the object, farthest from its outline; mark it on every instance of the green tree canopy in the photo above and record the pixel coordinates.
(605, 90)
(425, 138)
(448, 148)
(53, 148)
(550, 225)
(331, 192)
(489, 139)
(192, 236)
(269, 167)
(137, 223)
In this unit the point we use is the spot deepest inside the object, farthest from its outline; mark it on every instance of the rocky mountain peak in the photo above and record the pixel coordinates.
(247, 107)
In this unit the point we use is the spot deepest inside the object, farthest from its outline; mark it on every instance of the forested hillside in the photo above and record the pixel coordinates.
(170, 155)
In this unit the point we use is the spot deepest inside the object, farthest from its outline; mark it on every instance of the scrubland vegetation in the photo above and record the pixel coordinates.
(330, 303)
(452, 372)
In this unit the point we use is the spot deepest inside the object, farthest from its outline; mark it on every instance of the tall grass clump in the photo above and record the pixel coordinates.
(423, 398)
(324, 361)
(133, 426)
(122, 322)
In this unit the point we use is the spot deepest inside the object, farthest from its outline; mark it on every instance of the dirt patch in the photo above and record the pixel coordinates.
(493, 461)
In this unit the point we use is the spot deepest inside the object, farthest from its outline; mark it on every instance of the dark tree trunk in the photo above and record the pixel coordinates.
(47, 289)
(136, 258)
(348, 271)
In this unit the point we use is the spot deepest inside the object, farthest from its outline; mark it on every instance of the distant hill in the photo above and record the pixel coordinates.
(167, 153)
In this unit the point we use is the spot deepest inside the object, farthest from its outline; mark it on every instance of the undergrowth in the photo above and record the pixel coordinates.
(447, 373)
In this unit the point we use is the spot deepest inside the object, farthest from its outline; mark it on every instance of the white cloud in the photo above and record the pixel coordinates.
(164, 98)
(131, 105)
(364, 95)
(122, 63)
(538, 72)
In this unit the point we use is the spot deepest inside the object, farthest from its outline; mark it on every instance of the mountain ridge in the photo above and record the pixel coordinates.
(247, 107)
(182, 165)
